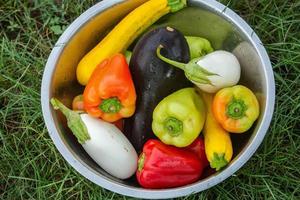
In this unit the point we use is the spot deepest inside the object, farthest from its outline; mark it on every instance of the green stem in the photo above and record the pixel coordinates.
(176, 5)
(128, 55)
(111, 105)
(141, 162)
(236, 109)
(74, 121)
(218, 161)
(173, 126)
(169, 61)
(192, 70)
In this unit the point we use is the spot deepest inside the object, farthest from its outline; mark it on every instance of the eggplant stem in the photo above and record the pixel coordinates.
(169, 61)
(74, 121)
(193, 71)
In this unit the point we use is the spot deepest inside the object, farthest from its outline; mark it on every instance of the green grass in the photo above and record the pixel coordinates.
(32, 168)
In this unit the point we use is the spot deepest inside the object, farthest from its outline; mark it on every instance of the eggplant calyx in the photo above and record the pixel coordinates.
(192, 70)
(74, 121)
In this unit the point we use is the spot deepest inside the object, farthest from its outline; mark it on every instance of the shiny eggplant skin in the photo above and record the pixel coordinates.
(154, 79)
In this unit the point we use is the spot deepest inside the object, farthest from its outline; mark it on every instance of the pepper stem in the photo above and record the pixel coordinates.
(74, 121)
(236, 109)
(192, 70)
(111, 105)
(141, 162)
(218, 161)
(176, 5)
(173, 126)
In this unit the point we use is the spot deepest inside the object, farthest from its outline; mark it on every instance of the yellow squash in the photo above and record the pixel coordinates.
(125, 33)
(218, 146)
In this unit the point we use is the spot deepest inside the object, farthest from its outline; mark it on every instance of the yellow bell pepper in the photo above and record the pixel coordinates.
(236, 108)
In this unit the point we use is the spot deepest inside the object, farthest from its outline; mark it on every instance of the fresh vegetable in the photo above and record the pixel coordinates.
(77, 103)
(125, 33)
(163, 166)
(154, 79)
(218, 146)
(110, 93)
(198, 46)
(198, 148)
(236, 108)
(210, 73)
(179, 118)
(104, 143)
(128, 55)
(196, 22)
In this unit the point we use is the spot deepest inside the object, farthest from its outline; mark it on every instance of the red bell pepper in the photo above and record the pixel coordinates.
(164, 166)
(198, 148)
(119, 124)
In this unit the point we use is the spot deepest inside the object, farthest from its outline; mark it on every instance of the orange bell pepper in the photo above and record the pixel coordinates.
(235, 108)
(110, 92)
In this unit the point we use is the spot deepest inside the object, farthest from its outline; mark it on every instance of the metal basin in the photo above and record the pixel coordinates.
(209, 19)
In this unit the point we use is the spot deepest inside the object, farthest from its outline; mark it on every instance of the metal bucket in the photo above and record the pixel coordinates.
(206, 18)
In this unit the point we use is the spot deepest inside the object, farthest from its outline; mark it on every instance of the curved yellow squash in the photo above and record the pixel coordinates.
(125, 33)
(218, 146)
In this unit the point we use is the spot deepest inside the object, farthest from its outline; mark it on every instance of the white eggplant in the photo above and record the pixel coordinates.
(103, 141)
(211, 72)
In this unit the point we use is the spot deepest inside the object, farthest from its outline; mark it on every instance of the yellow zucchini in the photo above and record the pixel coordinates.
(125, 33)
(218, 146)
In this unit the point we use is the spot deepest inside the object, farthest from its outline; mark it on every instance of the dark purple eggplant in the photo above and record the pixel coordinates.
(154, 79)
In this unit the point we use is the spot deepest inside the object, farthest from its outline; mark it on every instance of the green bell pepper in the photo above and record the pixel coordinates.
(198, 46)
(179, 118)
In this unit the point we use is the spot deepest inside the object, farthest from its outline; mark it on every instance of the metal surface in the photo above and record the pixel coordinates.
(206, 18)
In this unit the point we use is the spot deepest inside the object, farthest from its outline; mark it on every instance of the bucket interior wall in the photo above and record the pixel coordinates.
(193, 21)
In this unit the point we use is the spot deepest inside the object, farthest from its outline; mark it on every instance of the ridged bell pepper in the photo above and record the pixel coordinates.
(236, 108)
(78, 105)
(110, 92)
(164, 166)
(179, 118)
(198, 148)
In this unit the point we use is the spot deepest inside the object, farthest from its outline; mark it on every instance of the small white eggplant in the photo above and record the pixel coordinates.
(103, 141)
(211, 72)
